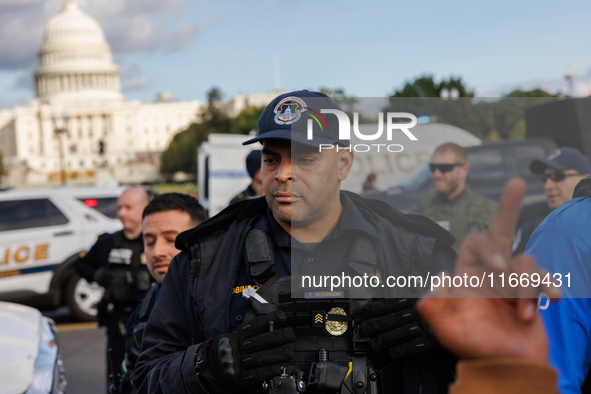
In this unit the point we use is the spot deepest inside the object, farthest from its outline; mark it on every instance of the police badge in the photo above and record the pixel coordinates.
(333, 327)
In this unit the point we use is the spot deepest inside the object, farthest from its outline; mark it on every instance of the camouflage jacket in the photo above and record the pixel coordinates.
(468, 212)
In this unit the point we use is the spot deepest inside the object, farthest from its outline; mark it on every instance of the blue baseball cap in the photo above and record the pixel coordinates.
(562, 158)
(288, 115)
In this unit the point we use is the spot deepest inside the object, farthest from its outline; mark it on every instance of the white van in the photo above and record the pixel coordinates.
(42, 234)
(222, 170)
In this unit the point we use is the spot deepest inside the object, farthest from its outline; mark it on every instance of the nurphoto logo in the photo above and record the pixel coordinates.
(345, 129)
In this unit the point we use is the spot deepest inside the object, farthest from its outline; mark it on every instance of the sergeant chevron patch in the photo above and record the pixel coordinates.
(318, 319)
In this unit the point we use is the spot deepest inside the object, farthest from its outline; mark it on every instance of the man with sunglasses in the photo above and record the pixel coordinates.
(454, 206)
(562, 245)
(560, 172)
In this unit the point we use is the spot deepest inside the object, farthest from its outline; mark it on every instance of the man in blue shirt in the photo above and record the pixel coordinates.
(562, 245)
(561, 171)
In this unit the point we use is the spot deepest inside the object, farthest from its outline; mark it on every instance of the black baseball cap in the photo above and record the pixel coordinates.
(562, 158)
(288, 115)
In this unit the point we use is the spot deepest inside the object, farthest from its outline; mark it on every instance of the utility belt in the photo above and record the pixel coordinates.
(329, 354)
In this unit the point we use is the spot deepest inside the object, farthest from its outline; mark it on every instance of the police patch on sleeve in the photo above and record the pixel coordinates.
(289, 110)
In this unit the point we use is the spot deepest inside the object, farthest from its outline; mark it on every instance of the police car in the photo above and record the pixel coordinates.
(42, 234)
(29, 361)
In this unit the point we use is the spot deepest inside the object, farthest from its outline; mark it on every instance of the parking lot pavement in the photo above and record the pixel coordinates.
(82, 347)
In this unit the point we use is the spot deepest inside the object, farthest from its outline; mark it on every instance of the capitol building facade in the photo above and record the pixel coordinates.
(79, 120)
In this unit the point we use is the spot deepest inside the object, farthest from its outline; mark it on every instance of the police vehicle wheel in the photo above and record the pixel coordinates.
(81, 297)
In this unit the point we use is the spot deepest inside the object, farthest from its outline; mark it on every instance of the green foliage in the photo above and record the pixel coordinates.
(181, 154)
(531, 93)
(246, 120)
(425, 86)
(2, 169)
(488, 119)
(519, 130)
(183, 188)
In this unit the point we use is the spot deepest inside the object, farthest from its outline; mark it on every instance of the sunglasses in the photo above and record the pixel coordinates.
(443, 168)
(556, 176)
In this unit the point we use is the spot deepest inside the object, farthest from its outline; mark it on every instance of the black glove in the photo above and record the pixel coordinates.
(394, 325)
(102, 276)
(248, 355)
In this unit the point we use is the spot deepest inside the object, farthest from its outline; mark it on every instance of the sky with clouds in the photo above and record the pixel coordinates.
(368, 48)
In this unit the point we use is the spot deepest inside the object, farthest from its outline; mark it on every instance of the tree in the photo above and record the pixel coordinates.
(509, 111)
(425, 86)
(181, 154)
(490, 119)
(246, 120)
(531, 93)
(422, 96)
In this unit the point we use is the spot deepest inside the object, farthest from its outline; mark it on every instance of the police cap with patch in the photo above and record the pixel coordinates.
(288, 115)
(563, 158)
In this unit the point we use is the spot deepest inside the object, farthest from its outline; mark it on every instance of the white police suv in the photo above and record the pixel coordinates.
(42, 234)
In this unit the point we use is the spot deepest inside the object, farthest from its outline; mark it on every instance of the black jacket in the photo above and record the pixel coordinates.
(245, 194)
(526, 230)
(583, 188)
(194, 301)
(141, 313)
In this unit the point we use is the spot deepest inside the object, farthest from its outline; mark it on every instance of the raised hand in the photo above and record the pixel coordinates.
(491, 321)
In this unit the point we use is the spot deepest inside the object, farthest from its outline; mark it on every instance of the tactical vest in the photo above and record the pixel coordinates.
(330, 355)
(130, 278)
(218, 258)
(475, 217)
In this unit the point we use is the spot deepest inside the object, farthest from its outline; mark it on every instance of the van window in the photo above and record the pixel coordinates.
(487, 169)
(20, 214)
(105, 205)
(523, 156)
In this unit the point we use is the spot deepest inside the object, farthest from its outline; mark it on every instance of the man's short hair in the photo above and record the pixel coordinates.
(455, 148)
(176, 202)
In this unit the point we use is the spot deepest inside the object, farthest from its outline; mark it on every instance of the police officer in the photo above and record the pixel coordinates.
(203, 336)
(253, 167)
(455, 206)
(117, 262)
(165, 217)
(561, 171)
